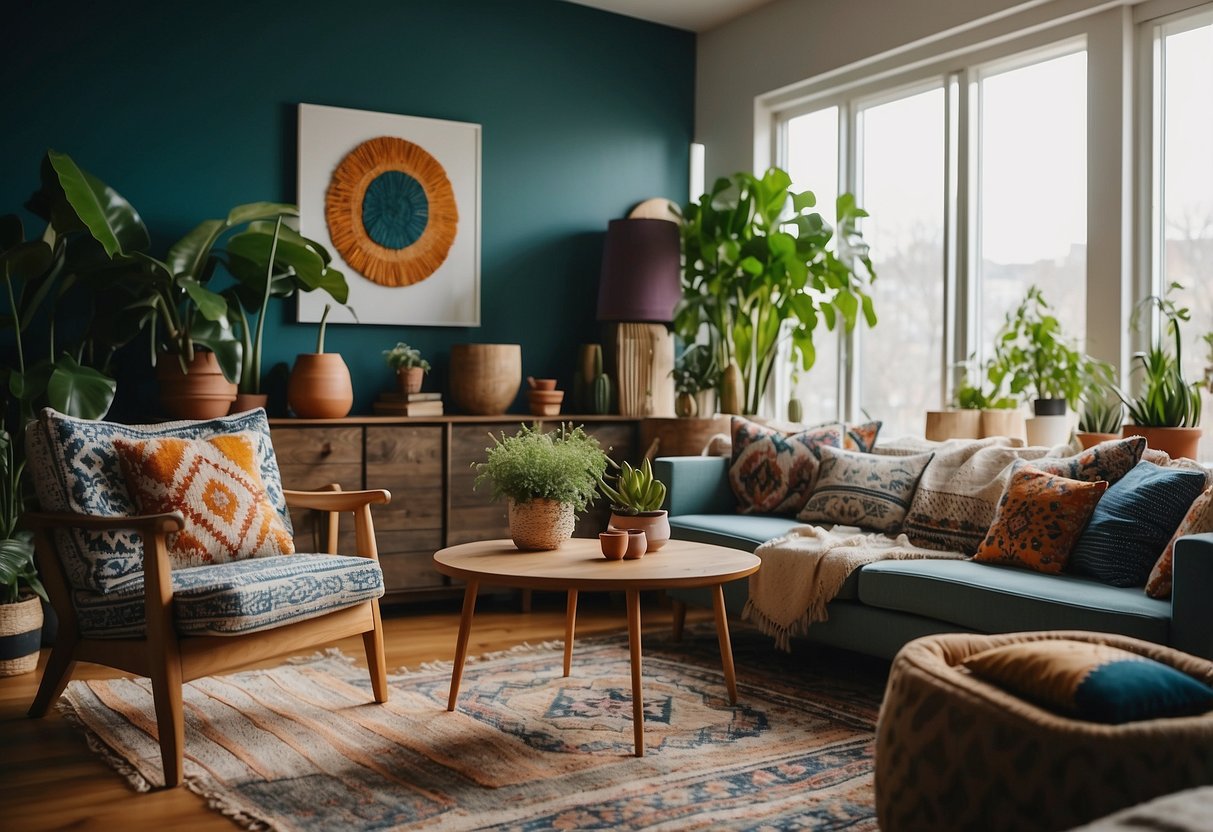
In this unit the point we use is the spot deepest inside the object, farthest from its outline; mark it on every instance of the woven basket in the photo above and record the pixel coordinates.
(20, 635)
(540, 525)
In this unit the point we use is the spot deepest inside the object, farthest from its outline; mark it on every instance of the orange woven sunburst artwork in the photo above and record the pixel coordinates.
(391, 211)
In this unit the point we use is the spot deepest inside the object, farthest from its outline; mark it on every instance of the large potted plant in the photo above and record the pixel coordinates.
(320, 386)
(547, 478)
(21, 593)
(758, 270)
(1034, 357)
(1166, 410)
(636, 500)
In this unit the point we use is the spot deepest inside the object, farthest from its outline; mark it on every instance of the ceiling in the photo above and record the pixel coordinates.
(695, 15)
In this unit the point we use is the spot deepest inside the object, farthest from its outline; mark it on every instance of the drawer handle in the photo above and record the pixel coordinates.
(326, 449)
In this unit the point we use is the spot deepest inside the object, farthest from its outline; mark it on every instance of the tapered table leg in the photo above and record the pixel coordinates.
(726, 647)
(634, 646)
(461, 646)
(570, 625)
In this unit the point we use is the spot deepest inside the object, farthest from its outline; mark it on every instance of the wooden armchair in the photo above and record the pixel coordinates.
(156, 627)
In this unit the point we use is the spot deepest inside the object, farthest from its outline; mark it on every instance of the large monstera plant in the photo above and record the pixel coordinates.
(758, 270)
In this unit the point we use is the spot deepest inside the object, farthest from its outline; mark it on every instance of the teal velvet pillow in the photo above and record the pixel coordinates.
(1133, 522)
(1090, 681)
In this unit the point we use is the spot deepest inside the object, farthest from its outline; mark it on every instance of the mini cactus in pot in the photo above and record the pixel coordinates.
(592, 387)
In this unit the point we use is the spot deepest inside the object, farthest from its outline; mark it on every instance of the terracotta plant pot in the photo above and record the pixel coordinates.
(200, 393)
(613, 544)
(1175, 442)
(485, 377)
(248, 401)
(540, 525)
(320, 386)
(953, 424)
(1090, 440)
(638, 546)
(655, 525)
(410, 379)
(20, 636)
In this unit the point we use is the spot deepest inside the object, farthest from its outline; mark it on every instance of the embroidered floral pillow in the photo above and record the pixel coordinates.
(863, 489)
(774, 473)
(1039, 519)
(1198, 520)
(216, 485)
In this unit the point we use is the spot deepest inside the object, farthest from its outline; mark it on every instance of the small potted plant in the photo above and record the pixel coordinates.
(1032, 354)
(320, 385)
(1166, 410)
(21, 593)
(410, 367)
(547, 478)
(1101, 418)
(636, 500)
(694, 371)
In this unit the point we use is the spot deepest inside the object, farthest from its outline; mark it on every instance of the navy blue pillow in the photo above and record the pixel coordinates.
(1133, 523)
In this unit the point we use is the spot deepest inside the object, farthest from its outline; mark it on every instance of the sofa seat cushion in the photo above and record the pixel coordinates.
(237, 598)
(996, 599)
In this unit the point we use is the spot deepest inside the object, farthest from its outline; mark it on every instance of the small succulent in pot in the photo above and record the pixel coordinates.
(636, 500)
(410, 367)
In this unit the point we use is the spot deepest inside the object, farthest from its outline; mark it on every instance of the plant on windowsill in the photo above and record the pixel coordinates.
(319, 386)
(636, 500)
(1101, 417)
(547, 478)
(1167, 408)
(758, 269)
(694, 372)
(975, 413)
(410, 367)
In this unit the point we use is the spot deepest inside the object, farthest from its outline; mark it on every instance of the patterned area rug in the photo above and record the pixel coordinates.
(302, 747)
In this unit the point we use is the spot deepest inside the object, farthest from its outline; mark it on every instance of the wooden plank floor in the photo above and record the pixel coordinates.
(50, 780)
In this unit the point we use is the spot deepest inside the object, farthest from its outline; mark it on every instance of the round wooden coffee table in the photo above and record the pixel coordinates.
(579, 565)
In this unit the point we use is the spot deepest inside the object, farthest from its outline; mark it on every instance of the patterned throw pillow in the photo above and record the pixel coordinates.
(863, 489)
(862, 437)
(1198, 520)
(1092, 681)
(1133, 522)
(772, 473)
(74, 467)
(1107, 461)
(215, 484)
(1040, 516)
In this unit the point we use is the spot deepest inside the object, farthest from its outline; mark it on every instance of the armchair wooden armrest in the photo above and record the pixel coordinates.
(333, 501)
(149, 524)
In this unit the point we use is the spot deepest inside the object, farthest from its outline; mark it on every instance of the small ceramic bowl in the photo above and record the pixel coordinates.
(638, 544)
(614, 544)
(542, 383)
(545, 396)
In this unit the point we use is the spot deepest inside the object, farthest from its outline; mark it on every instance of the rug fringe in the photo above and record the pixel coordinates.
(111, 757)
(448, 664)
(232, 810)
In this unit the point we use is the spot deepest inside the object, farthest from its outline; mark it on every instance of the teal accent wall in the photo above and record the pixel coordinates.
(190, 108)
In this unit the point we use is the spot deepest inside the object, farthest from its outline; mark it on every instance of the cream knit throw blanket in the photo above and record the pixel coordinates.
(804, 570)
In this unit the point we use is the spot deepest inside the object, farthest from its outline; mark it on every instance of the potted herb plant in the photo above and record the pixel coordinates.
(410, 367)
(636, 500)
(694, 372)
(21, 593)
(1166, 410)
(319, 386)
(547, 478)
(758, 270)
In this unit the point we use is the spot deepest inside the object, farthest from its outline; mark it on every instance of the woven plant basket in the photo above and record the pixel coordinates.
(541, 525)
(20, 636)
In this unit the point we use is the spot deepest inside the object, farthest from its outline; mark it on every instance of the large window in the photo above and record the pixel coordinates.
(1183, 183)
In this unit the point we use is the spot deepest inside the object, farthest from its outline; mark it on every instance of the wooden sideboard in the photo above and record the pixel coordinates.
(427, 465)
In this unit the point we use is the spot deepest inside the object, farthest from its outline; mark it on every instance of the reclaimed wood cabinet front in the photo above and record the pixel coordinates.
(428, 467)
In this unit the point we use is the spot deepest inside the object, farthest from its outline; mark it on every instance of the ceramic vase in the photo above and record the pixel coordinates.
(654, 524)
(320, 386)
(202, 392)
(540, 525)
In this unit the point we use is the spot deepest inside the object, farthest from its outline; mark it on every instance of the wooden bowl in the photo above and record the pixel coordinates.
(485, 377)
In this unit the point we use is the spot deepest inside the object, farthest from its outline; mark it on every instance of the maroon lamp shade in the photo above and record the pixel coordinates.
(641, 272)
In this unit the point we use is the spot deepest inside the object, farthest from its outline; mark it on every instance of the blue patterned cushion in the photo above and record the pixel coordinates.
(75, 467)
(242, 597)
(1133, 523)
(863, 489)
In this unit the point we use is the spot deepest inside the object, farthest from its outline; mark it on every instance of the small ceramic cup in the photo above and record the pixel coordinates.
(638, 544)
(614, 544)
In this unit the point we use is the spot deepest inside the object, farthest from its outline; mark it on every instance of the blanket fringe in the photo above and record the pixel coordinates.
(781, 632)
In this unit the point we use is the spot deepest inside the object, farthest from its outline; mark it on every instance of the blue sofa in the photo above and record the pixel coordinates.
(886, 604)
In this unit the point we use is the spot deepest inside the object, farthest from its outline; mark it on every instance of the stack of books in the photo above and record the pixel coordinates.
(395, 403)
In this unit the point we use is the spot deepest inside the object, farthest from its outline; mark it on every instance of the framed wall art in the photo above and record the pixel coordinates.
(396, 200)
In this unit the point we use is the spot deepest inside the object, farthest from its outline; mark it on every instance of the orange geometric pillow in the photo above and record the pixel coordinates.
(1039, 519)
(216, 484)
(1198, 520)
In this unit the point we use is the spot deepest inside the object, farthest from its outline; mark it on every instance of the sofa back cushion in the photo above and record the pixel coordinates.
(774, 473)
(216, 486)
(74, 467)
(863, 489)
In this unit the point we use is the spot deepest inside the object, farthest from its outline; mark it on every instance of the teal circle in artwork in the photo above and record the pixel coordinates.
(395, 210)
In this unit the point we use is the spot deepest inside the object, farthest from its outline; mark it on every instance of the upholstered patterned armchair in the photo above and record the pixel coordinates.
(167, 552)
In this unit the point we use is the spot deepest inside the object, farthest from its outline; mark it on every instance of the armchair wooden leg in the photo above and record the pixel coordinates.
(679, 609)
(55, 676)
(170, 718)
(372, 643)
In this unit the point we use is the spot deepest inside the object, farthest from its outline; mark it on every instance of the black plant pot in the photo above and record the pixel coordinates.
(1049, 407)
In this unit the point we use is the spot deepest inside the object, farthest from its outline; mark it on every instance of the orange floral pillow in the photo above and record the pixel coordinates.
(1039, 519)
(216, 484)
(1198, 520)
